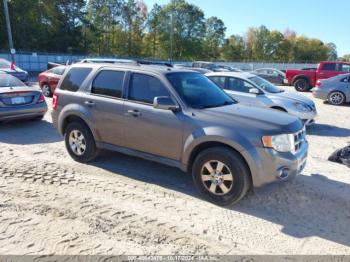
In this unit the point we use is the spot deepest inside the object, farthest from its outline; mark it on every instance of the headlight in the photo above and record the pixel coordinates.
(302, 107)
(281, 143)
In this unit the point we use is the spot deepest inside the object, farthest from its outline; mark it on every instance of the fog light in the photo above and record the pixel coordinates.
(283, 173)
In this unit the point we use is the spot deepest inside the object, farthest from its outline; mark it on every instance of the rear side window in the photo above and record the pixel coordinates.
(108, 83)
(74, 78)
(145, 88)
(58, 70)
(219, 80)
(329, 67)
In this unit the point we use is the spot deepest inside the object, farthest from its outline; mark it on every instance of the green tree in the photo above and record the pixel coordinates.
(182, 29)
(214, 38)
(234, 49)
(332, 52)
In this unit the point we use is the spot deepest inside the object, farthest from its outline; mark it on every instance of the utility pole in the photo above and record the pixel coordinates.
(9, 32)
(171, 35)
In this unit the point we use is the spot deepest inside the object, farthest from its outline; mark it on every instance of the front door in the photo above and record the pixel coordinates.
(147, 129)
(239, 90)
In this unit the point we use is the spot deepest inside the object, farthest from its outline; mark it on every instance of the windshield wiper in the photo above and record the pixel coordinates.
(226, 103)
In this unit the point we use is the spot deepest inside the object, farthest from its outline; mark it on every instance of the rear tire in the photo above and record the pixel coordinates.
(46, 90)
(221, 175)
(336, 98)
(80, 142)
(301, 85)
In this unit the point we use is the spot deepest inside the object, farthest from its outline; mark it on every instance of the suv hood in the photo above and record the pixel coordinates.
(247, 117)
(291, 96)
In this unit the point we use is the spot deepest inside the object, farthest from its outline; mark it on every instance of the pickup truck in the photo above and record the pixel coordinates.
(304, 80)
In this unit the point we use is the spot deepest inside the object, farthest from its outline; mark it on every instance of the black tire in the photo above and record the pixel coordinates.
(241, 181)
(336, 98)
(91, 151)
(302, 85)
(46, 90)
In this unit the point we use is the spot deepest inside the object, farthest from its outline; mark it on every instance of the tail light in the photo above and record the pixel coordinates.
(41, 99)
(318, 83)
(12, 66)
(54, 101)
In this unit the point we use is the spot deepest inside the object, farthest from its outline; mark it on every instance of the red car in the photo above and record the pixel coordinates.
(303, 80)
(49, 79)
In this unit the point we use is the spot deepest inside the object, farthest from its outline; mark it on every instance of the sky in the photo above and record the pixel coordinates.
(328, 21)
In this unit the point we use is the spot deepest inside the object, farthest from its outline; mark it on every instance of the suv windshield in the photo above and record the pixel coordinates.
(265, 85)
(198, 91)
(9, 81)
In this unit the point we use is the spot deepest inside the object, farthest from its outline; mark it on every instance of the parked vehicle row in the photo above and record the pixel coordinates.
(180, 118)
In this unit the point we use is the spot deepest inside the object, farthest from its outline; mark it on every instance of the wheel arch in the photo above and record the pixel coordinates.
(298, 77)
(211, 144)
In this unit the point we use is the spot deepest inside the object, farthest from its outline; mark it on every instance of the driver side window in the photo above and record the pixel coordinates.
(238, 85)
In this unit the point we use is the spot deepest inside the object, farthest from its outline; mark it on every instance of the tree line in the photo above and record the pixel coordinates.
(128, 28)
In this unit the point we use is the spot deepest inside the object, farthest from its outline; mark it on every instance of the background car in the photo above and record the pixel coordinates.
(18, 101)
(49, 79)
(255, 91)
(12, 69)
(335, 90)
(270, 74)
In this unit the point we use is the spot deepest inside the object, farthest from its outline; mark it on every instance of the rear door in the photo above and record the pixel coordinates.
(105, 103)
(327, 70)
(147, 129)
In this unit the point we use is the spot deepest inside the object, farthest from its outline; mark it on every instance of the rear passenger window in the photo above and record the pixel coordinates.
(109, 83)
(219, 81)
(74, 78)
(329, 67)
(144, 88)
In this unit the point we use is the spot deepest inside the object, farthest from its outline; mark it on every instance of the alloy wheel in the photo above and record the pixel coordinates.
(336, 98)
(217, 177)
(77, 142)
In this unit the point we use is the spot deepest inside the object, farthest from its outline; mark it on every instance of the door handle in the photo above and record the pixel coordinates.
(135, 113)
(89, 103)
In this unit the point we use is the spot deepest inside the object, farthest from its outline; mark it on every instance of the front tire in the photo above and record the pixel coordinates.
(336, 98)
(80, 142)
(301, 85)
(221, 175)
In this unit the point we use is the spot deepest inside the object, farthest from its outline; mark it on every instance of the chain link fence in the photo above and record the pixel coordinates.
(37, 62)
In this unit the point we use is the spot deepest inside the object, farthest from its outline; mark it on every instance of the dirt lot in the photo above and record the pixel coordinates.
(123, 205)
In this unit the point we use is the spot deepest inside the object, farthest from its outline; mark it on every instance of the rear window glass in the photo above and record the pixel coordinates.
(74, 78)
(109, 83)
(58, 70)
(9, 81)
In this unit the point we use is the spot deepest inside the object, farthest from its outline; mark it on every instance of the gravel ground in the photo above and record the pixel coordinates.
(123, 205)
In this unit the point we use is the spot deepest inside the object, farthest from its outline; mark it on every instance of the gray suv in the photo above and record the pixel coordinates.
(179, 118)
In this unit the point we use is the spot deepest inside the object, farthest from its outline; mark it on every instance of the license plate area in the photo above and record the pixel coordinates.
(18, 100)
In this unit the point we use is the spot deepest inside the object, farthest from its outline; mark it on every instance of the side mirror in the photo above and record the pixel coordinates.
(164, 103)
(254, 91)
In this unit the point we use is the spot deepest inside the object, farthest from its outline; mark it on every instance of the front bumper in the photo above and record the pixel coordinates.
(276, 166)
(22, 112)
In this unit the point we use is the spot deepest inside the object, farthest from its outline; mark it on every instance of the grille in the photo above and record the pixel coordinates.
(299, 139)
